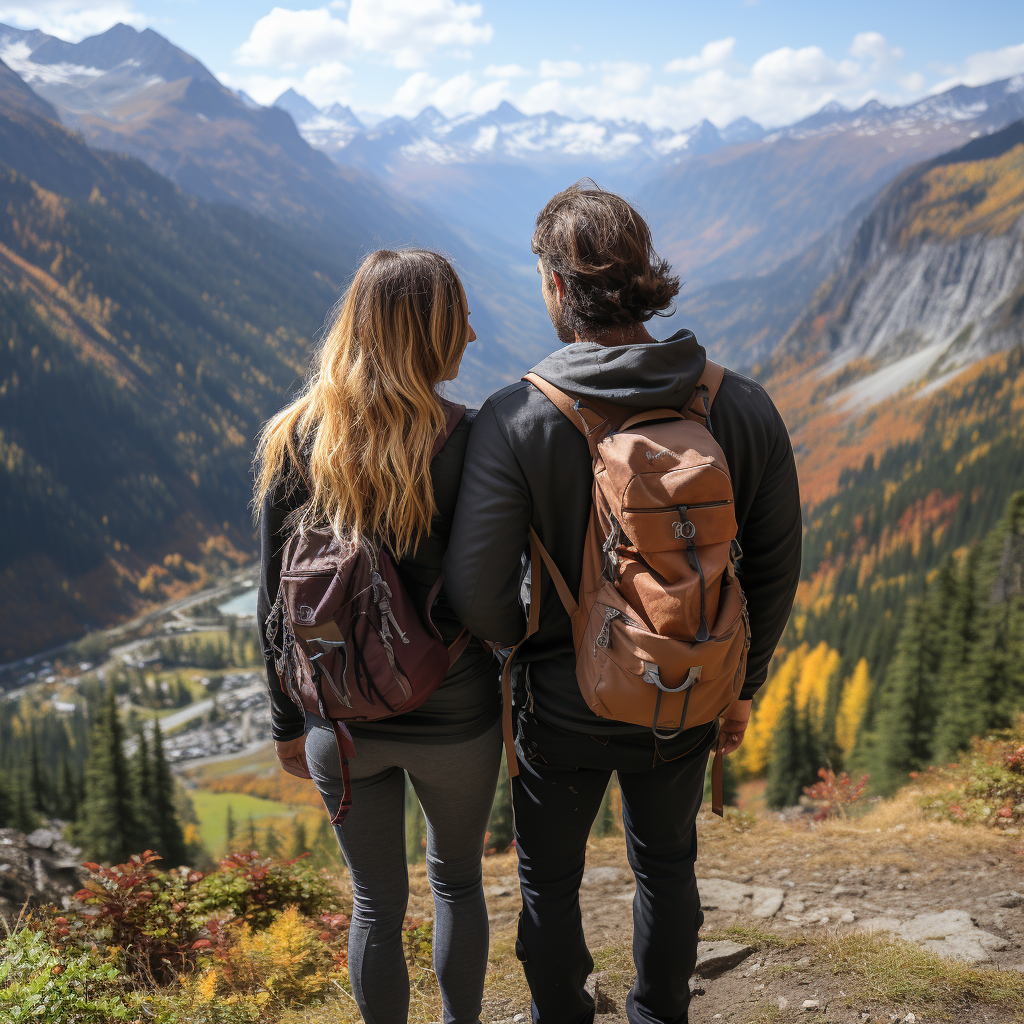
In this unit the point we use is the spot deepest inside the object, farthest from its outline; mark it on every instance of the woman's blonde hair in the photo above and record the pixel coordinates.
(361, 433)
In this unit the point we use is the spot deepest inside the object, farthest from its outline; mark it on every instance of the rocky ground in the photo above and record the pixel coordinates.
(886, 918)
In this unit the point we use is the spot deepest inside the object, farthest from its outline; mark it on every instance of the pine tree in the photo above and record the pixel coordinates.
(6, 802)
(229, 829)
(24, 818)
(500, 824)
(604, 823)
(142, 769)
(786, 769)
(251, 843)
(271, 842)
(68, 795)
(300, 841)
(962, 713)
(168, 837)
(906, 716)
(415, 826)
(108, 829)
(38, 787)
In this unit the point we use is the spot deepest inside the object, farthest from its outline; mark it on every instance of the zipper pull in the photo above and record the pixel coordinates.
(604, 638)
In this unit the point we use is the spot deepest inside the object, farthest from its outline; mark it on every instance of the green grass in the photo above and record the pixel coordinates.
(212, 810)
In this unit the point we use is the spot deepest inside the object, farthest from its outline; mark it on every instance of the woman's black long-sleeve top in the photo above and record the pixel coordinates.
(468, 701)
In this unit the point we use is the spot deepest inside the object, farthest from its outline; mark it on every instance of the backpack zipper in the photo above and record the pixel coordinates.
(696, 504)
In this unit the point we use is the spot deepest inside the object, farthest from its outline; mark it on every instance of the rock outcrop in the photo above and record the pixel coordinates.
(37, 869)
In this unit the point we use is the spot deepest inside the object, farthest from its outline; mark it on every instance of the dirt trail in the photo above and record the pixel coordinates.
(804, 897)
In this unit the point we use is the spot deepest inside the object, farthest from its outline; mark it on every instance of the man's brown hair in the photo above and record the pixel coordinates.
(601, 248)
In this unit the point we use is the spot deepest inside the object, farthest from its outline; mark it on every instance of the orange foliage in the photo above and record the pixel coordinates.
(279, 786)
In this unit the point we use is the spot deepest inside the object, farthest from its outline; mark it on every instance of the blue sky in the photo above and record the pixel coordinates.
(668, 62)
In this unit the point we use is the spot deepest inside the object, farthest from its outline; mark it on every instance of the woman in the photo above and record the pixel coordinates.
(353, 451)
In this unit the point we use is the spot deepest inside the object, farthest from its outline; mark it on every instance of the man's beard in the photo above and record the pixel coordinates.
(566, 335)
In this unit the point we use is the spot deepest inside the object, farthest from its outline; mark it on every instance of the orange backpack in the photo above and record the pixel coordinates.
(660, 629)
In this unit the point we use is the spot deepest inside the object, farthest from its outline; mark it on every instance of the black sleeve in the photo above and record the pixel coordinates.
(772, 542)
(492, 519)
(288, 722)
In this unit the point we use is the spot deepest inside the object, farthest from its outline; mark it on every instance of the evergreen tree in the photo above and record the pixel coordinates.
(68, 795)
(142, 769)
(415, 826)
(791, 766)
(168, 835)
(6, 802)
(326, 851)
(271, 842)
(961, 714)
(604, 823)
(907, 713)
(229, 829)
(500, 824)
(24, 818)
(300, 841)
(108, 829)
(251, 843)
(38, 788)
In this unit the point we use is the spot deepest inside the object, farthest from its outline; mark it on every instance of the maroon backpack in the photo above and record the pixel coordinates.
(354, 646)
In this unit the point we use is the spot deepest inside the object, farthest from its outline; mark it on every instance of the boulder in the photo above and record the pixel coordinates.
(37, 869)
(604, 876)
(951, 933)
(754, 900)
(717, 957)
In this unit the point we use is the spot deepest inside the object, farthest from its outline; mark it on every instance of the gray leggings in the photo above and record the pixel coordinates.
(455, 784)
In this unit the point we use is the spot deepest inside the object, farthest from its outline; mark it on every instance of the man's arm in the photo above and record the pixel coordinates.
(492, 520)
(770, 568)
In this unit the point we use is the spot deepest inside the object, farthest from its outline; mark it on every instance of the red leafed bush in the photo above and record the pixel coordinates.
(835, 793)
(146, 912)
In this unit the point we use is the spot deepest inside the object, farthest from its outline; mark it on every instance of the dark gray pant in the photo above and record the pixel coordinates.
(455, 784)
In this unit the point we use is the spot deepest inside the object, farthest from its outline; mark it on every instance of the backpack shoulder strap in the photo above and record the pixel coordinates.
(591, 422)
(704, 393)
(453, 415)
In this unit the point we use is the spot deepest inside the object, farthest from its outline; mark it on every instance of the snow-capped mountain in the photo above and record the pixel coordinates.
(504, 135)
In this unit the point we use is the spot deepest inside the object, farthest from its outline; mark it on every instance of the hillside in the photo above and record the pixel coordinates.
(146, 335)
(149, 99)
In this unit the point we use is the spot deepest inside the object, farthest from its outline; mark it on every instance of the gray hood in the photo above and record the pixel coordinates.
(644, 376)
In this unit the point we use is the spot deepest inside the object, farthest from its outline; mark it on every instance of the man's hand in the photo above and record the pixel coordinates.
(734, 726)
(292, 755)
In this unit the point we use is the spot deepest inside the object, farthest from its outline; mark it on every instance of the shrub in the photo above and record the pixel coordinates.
(289, 960)
(258, 888)
(44, 984)
(151, 915)
(835, 793)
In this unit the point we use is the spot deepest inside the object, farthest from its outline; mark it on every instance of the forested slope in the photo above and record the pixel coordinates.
(143, 337)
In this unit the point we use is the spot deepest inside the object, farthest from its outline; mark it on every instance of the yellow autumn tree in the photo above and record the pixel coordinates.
(808, 672)
(856, 691)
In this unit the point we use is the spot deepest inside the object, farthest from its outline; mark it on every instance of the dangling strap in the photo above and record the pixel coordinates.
(717, 783)
(346, 749)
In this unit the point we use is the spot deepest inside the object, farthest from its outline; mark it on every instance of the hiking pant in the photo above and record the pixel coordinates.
(455, 784)
(556, 796)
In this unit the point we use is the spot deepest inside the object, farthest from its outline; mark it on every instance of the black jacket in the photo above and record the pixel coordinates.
(527, 464)
(467, 702)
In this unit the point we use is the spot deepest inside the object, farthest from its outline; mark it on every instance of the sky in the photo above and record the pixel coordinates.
(669, 63)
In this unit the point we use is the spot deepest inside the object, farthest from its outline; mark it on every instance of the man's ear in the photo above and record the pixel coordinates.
(556, 277)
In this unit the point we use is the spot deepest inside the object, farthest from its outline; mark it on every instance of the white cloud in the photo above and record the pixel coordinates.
(322, 84)
(624, 76)
(402, 32)
(505, 71)
(989, 66)
(713, 55)
(808, 66)
(70, 19)
(457, 95)
(875, 47)
(560, 69)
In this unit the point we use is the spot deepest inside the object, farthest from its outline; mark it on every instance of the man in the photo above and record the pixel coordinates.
(528, 465)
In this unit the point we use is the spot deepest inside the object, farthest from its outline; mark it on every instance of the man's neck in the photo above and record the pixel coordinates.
(634, 334)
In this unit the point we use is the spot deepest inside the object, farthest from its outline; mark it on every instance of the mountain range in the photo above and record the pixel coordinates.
(169, 250)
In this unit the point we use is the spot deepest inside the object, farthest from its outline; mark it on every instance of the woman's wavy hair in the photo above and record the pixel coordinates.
(601, 248)
(361, 433)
